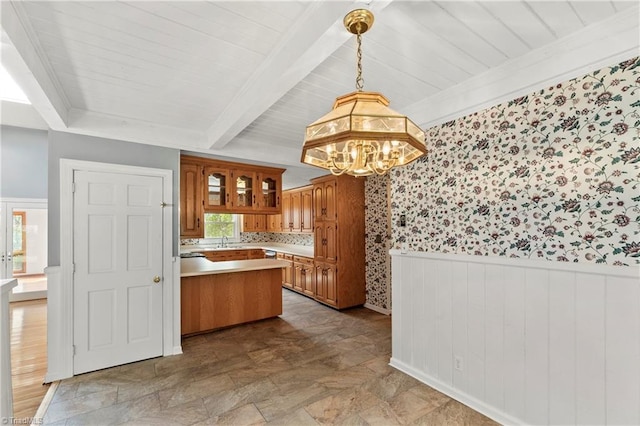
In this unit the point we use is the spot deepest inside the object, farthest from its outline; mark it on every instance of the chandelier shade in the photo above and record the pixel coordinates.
(361, 135)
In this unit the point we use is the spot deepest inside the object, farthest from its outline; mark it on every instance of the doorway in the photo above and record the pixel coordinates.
(61, 309)
(23, 247)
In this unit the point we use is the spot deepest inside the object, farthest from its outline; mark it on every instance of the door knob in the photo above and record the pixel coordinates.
(156, 279)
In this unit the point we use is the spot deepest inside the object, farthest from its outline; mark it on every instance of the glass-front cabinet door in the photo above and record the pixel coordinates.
(269, 192)
(244, 196)
(217, 189)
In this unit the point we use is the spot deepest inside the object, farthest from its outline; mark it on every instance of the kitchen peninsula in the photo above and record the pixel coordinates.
(220, 294)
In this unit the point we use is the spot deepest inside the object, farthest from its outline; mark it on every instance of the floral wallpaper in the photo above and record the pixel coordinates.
(377, 261)
(553, 175)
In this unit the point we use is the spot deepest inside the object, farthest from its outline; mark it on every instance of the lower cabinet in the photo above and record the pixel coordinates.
(256, 254)
(325, 283)
(315, 279)
(303, 280)
(287, 272)
(210, 302)
(222, 255)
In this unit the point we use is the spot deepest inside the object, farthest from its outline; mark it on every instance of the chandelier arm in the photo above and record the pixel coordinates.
(333, 166)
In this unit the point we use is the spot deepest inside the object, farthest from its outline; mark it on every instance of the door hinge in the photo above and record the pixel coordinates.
(74, 350)
(73, 268)
(73, 187)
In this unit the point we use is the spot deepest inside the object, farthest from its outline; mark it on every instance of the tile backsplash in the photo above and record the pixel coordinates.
(265, 237)
(276, 237)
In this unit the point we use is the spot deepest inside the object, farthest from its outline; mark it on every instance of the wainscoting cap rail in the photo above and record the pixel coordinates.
(632, 271)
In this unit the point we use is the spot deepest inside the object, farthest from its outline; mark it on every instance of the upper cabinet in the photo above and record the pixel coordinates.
(324, 201)
(243, 192)
(227, 187)
(191, 214)
(297, 210)
(217, 188)
(269, 192)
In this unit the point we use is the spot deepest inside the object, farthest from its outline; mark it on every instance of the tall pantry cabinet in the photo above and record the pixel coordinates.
(339, 269)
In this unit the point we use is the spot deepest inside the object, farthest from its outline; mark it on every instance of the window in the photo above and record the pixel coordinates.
(218, 225)
(19, 242)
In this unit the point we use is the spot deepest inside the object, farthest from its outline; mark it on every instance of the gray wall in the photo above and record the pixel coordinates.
(23, 163)
(87, 148)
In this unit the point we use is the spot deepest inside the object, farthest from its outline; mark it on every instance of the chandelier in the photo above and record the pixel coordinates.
(361, 135)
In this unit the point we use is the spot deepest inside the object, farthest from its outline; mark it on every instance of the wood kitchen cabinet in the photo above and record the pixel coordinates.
(225, 187)
(303, 275)
(222, 255)
(191, 202)
(287, 272)
(209, 302)
(274, 222)
(326, 290)
(324, 200)
(243, 194)
(256, 254)
(339, 271)
(306, 210)
(254, 223)
(240, 254)
(297, 210)
(269, 192)
(325, 242)
(256, 191)
(217, 189)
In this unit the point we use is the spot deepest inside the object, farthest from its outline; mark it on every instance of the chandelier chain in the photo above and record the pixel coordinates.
(359, 79)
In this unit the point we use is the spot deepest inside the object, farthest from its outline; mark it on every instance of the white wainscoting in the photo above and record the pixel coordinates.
(537, 342)
(6, 389)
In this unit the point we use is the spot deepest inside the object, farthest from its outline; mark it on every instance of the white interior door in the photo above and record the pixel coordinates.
(117, 283)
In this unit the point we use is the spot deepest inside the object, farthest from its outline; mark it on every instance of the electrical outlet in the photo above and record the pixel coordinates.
(458, 363)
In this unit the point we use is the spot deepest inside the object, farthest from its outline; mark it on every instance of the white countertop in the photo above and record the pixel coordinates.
(7, 285)
(194, 266)
(296, 250)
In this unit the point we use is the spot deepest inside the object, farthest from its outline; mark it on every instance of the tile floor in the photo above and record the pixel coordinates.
(313, 365)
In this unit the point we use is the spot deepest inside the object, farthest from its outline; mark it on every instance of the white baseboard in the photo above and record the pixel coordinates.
(378, 309)
(467, 400)
(177, 350)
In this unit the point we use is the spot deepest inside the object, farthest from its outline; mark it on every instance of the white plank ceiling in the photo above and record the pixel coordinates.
(242, 79)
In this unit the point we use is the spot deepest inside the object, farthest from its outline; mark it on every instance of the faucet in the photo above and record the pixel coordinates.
(225, 241)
